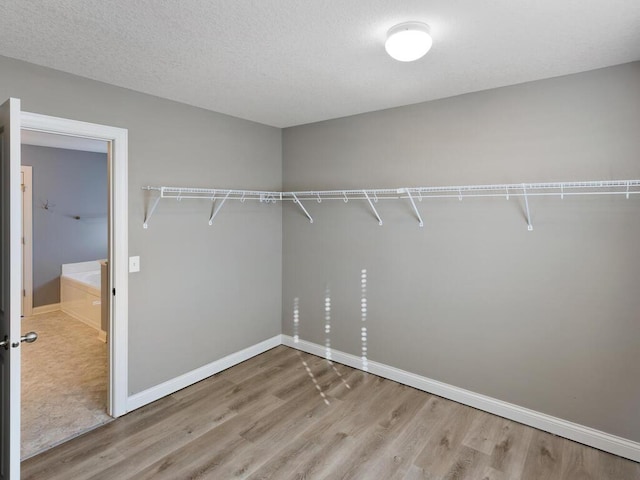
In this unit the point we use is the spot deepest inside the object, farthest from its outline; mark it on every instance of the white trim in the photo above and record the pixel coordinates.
(119, 241)
(27, 239)
(573, 431)
(52, 307)
(170, 386)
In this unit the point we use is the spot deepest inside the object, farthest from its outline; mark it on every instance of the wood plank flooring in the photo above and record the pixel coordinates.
(289, 415)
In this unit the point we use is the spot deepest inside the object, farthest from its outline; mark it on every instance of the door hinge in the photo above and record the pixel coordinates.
(23, 241)
(24, 189)
(114, 292)
(24, 293)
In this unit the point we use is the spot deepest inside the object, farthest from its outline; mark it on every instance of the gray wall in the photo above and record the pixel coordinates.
(548, 319)
(545, 319)
(203, 292)
(75, 184)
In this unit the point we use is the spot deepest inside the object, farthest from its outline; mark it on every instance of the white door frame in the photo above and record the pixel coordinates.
(118, 334)
(27, 240)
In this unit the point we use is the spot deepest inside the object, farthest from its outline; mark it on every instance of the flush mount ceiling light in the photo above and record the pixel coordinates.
(408, 41)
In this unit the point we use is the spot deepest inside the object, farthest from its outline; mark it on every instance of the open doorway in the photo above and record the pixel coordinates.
(66, 180)
(12, 121)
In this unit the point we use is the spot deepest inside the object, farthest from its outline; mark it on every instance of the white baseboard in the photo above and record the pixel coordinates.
(170, 386)
(54, 307)
(573, 431)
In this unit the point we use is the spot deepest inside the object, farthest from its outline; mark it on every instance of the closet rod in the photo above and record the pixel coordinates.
(373, 195)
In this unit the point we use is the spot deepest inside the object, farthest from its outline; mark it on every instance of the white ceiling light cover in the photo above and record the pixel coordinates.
(408, 41)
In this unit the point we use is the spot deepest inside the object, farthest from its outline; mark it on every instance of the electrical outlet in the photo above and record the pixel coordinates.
(134, 264)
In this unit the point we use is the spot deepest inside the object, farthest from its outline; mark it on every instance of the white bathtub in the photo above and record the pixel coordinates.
(80, 294)
(91, 279)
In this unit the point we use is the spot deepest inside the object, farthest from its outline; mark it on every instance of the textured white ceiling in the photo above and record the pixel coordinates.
(289, 62)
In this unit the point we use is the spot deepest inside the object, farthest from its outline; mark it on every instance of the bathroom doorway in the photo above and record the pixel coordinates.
(65, 251)
(13, 120)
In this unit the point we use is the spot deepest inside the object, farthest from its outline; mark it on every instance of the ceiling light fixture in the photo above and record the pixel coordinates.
(408, 41)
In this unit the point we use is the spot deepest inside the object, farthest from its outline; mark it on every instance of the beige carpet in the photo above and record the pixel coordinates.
(64, 381)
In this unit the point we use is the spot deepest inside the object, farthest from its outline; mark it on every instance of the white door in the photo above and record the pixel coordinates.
(10, 283)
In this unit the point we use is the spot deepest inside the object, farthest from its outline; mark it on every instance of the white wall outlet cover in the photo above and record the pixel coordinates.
(134, 264)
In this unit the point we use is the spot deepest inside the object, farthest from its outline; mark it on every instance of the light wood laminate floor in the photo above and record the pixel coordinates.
(289, 415)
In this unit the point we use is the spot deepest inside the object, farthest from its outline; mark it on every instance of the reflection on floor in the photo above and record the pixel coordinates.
(64, 381)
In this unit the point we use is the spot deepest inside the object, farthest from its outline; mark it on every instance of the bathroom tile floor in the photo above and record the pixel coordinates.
(64, 381)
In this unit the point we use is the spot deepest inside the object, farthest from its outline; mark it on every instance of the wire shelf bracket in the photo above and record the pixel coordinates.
(217, 210)
(149, 214)
(375, 212)
(413, 204)
(526, 204)
(296, 200)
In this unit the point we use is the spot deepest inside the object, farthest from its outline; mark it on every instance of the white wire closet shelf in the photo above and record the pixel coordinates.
(218, 196)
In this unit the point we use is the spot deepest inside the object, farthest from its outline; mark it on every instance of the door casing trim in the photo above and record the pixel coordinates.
(27, 240)
(117, 139)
